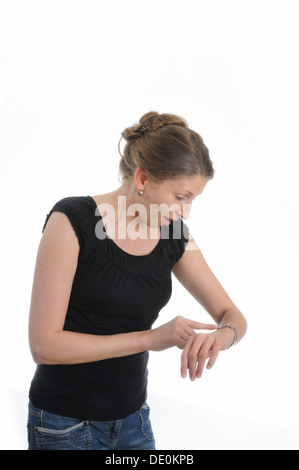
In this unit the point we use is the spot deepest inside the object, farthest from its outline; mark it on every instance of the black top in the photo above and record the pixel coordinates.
(113, 292)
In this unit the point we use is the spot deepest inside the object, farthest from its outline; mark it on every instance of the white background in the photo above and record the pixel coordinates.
(73, 75)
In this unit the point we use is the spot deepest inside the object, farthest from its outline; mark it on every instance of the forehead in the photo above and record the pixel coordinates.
(186, 184)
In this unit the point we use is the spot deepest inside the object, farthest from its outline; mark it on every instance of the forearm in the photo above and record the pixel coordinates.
(66, 347)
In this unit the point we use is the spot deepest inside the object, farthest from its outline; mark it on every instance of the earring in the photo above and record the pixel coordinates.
(140, 192)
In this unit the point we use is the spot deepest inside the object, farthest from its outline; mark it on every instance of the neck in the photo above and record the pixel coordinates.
(130, 211)
(123, 198)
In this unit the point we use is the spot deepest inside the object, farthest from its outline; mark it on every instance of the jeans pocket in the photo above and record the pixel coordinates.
(146, 427)
(77, 437)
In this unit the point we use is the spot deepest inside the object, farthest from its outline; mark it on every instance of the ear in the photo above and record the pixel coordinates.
(140, 178)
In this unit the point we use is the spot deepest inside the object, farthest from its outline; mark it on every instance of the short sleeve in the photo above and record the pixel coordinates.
(75, 209)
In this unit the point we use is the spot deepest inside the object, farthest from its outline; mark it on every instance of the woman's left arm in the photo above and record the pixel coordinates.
(195, 275)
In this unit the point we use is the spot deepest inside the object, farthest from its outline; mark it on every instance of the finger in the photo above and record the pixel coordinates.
(201, 326)
(203, 355)
(185, 336)
(213, 355)
(185, 357)
(193, 355)
(181, 342)
(189, 331)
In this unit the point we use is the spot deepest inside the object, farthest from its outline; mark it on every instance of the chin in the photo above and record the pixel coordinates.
(165, 220)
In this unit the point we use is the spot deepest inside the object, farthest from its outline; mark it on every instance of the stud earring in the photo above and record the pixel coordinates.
(140, 192)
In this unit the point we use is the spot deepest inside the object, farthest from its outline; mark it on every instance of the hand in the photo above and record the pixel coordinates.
(176, 332)
(201, 347)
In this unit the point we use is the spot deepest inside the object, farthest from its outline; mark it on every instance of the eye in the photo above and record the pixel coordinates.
(179, 198)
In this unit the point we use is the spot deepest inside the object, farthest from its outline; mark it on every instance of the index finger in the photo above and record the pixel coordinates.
(202, 326)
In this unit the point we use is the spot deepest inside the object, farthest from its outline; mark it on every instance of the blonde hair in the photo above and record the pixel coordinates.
(165, 147)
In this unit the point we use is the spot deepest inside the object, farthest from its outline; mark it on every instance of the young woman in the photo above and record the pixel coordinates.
(103, 273)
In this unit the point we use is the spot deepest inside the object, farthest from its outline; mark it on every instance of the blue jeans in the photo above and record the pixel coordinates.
(47, 431)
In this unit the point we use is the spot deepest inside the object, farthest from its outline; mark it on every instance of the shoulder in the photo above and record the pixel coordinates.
(75, 204)
(80, 211)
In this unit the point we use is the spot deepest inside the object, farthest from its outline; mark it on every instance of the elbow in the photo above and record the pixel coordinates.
(40, 355)
(245, 324)
(43, 348)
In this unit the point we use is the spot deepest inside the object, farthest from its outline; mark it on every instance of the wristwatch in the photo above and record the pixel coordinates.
(229, 325)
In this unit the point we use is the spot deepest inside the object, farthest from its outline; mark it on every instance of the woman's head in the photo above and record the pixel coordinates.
(164, 147)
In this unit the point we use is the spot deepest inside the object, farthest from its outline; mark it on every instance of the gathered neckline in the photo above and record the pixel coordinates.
(117, 246)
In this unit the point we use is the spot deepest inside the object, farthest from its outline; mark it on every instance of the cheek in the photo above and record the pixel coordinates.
(158, 198)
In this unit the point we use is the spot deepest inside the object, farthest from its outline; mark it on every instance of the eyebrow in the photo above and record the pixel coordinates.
(187, 191)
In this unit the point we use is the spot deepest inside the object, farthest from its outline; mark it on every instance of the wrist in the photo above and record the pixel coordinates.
(228, 332)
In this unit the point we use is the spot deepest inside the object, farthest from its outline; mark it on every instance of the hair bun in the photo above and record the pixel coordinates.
(150, 122)
(153, 120)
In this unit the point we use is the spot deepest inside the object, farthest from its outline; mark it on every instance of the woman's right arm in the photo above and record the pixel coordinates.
(55, 268)
(53, 278)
